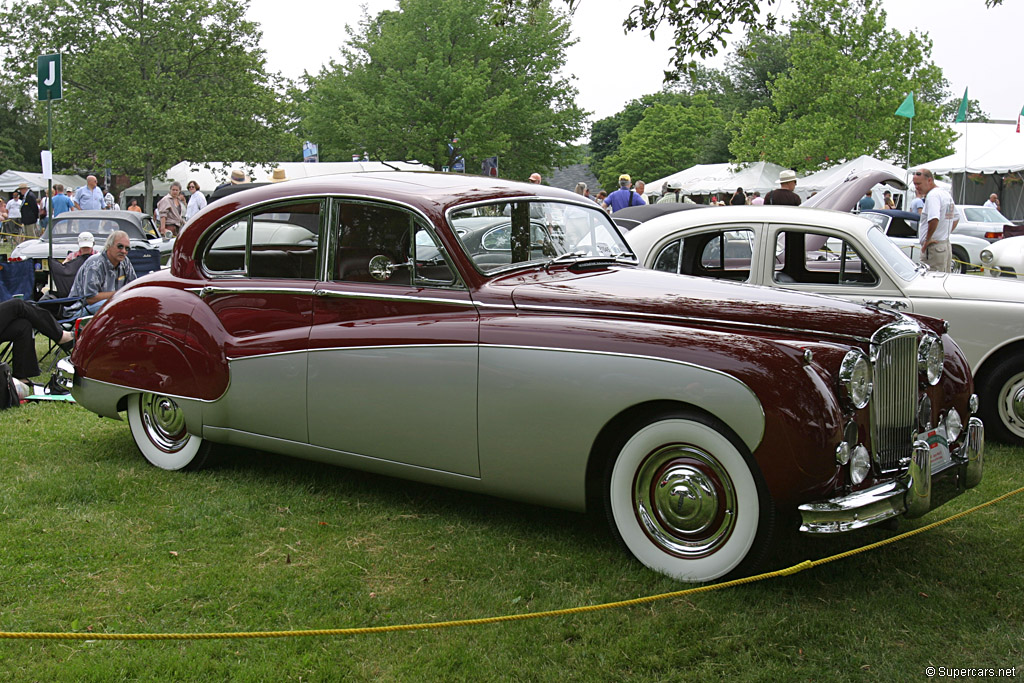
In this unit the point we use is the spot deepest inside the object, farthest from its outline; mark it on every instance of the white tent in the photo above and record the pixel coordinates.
(723, 179)
(10, 180)
(212, 174)
(993, 156)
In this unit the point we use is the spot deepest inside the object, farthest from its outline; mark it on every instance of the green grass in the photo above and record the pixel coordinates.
(95, 540)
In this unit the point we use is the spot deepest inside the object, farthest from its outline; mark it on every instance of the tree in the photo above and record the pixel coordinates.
(849, 74)
(20, 132)
(443, 79)
(148, 83)
(667, 139)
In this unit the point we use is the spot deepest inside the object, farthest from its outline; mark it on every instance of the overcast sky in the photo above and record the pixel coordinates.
(977, 48)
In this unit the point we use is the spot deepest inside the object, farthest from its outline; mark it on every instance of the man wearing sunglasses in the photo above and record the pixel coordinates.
(103, 274)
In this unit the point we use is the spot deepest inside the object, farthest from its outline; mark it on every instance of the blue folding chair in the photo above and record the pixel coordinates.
(144, 261)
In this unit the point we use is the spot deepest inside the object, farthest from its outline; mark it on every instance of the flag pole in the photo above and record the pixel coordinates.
(961, 117)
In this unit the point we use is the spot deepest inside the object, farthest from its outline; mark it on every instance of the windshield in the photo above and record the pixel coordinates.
(982, 214)
(889, 252)
(507, 233)
(70, 228)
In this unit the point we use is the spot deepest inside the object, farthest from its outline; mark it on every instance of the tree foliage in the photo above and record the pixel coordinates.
(848, 75)
(667, 138)
(149, 83)
(439, 79)
(21, 133)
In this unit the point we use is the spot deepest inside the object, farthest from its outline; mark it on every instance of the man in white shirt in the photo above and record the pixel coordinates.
(938, 220)
(993, 202)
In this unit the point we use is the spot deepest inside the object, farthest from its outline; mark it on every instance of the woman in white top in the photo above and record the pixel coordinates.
(196, 200)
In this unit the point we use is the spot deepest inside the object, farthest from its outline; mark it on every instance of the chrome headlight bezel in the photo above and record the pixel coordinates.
(931, 357)
(986, 256)
(855, 378)
(954, 425)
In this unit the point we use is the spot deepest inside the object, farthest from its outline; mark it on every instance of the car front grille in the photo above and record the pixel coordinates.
(894, 398)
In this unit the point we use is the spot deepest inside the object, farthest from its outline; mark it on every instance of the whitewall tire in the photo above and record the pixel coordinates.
(686, 498)
(158, 427)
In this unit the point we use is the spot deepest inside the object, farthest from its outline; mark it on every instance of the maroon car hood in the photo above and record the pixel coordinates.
(647, 292)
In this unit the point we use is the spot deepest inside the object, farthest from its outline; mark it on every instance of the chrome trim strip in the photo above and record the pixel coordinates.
(203, 292)
(209, 290)
(688, 319)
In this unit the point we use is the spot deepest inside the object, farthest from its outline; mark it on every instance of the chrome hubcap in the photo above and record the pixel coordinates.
(685, 501)
(164, 422)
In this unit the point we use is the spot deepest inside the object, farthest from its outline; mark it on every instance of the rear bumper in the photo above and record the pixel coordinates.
(911, 495)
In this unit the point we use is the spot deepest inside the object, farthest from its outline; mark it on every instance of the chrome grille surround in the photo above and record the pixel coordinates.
(894, 400)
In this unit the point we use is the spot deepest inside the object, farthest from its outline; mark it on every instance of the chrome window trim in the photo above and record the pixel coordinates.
(210, 290)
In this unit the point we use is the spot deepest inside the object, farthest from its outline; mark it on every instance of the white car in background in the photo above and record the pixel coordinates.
(901, 228)
(981, 221)
(848, 256)
(1004, 258)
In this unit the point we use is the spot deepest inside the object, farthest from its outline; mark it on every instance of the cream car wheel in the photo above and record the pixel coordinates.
(1002, 400)
(158, 427)
(687, 501)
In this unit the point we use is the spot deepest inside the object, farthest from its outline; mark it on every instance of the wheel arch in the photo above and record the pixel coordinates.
(602, 452)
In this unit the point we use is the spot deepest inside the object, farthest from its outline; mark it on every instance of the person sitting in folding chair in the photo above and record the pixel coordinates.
(17, 320)
(102, 275)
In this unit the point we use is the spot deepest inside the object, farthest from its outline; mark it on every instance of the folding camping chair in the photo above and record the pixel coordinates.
(144, 261)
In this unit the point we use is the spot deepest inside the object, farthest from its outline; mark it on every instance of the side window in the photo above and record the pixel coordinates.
(385, 244)
(278, 242)
(668, 258)
(723, 254)
(819, 258)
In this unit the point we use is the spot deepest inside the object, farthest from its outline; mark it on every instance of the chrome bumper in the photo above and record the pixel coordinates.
(912, 495)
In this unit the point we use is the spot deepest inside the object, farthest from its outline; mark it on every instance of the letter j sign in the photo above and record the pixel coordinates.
(48, 70)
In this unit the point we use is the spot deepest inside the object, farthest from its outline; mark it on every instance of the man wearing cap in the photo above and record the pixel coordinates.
(535, 178)
(103, 274)
(784, 195)
(938, 219)
(623, 196)
(90, 197)
(86, 242)
(29, 209)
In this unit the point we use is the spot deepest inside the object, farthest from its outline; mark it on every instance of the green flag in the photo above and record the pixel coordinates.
(906, 109)
(961, 114)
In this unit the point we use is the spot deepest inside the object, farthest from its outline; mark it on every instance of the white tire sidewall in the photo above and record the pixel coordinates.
(747, 515)
(157, 456)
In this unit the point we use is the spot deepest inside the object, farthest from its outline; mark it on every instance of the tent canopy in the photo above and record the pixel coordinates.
(10, 180)
(211, 174)
(983, 148)
(721, 179)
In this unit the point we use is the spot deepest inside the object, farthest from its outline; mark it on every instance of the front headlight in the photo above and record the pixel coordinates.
(855, 378)
(930, 358)
(986, 256)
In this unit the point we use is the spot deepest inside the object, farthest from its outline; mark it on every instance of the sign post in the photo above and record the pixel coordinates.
(48, 71)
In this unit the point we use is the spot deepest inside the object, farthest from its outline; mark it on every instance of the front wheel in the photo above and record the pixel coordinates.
(158, 427)
(1001, 398)
(686, 498)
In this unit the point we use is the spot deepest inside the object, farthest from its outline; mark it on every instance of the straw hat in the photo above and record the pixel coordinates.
(238, 177)
(278, 176)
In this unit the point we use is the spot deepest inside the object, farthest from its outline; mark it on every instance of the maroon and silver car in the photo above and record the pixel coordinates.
(498, 337)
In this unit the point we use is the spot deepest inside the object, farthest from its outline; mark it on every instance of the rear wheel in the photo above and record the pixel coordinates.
(686, 498)
(158, 426)
(960, 260)
(1001, 400)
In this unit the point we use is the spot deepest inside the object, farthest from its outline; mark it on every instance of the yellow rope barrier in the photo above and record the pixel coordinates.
(789, 571)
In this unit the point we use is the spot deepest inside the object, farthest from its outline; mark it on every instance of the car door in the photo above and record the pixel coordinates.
(262, 282)
(825, 261)
(726, 252)
(394, 344)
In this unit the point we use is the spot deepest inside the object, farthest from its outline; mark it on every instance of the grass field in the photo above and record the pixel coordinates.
(95, 540)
